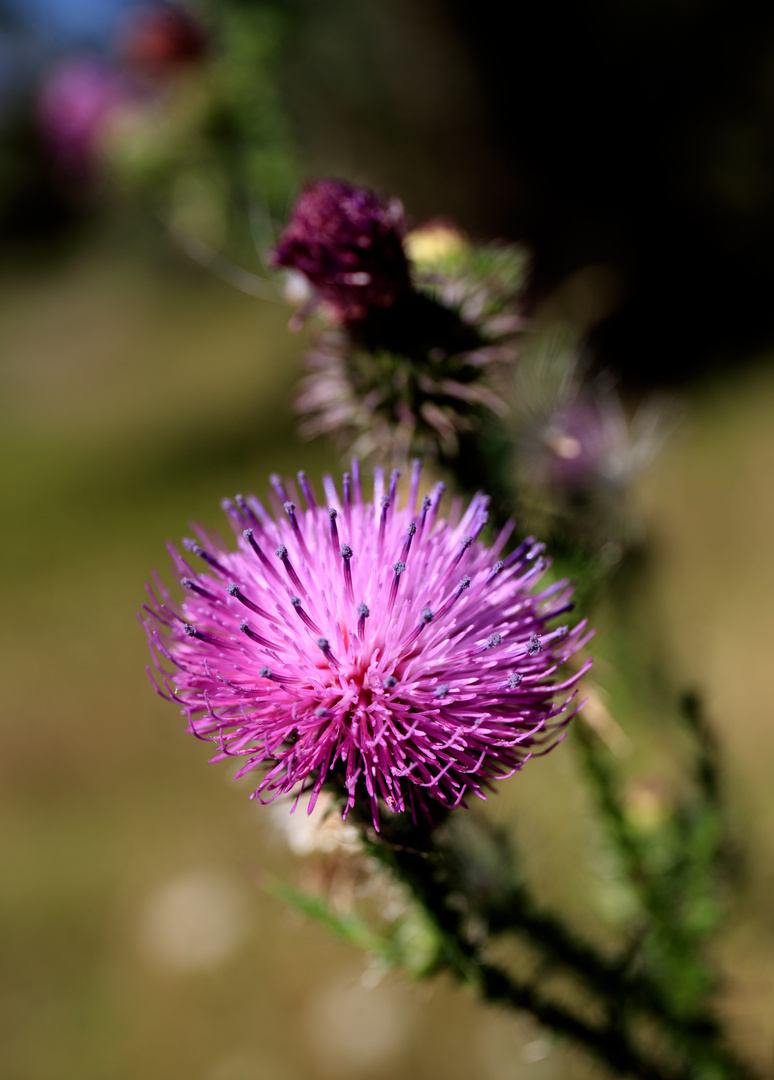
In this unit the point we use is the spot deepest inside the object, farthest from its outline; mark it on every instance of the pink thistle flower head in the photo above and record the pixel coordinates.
(383, 649)
(348, 242)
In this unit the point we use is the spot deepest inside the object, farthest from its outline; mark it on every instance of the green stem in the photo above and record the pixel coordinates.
(608, 978)
(657, 900)
(610, 1045)
(411, 853)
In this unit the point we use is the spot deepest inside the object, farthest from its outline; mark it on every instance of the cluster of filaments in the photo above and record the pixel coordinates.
(383, 649)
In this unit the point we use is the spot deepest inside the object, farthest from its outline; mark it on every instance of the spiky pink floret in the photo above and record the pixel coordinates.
(381, 647)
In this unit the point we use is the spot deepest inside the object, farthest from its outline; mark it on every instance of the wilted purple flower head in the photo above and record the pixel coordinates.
(75, 105)
(379, 647)
(349, 243)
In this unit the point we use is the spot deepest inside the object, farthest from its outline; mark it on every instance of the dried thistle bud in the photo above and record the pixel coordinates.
(576, 458)
(424, 374)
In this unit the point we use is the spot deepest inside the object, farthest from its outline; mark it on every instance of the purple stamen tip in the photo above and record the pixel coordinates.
(281, 552)
(465, 583)
(233, 590)
(427, 615)
(389, 681)
(295, 601)
(514, 680)
(244, 626)
(346, 552)
(333, 513)
(321, 711)
(265, 672)
(186, 583)
(399, 567)
(535, 645)
(248, 534)
(189, 629)
(412, 528)
(363, 611)
(494, 640)
(442, 690)
(323, 643)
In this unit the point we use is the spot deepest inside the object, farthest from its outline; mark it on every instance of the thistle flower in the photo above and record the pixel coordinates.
(348, 242)
(383, 650)
(416, 365)
(576, 458)
(590, 443)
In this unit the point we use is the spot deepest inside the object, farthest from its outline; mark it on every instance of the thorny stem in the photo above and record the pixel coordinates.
(707, 766)
(417, 864)
(656, 902)
(608, 978)
(612, 811)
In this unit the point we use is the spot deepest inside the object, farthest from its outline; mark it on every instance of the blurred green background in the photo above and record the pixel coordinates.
(136, 391)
